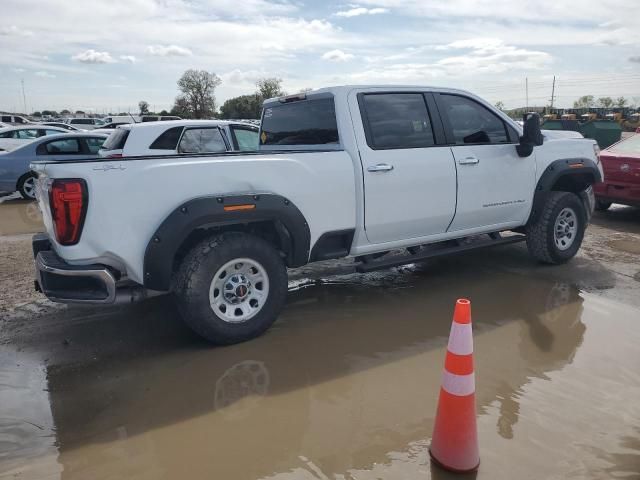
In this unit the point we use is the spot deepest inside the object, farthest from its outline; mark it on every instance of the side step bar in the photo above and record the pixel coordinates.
(427, 253)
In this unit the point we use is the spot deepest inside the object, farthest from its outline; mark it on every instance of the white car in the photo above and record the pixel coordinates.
(84, 123)
(180, 136)
(360, 171)
(14, 137)
(13, 120)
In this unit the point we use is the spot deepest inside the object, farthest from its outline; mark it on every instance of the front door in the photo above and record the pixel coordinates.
(495, 185)
(409, 181)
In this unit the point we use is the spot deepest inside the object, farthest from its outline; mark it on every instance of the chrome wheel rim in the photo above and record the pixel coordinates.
(29, 187)
(239, 290)
(565, 228)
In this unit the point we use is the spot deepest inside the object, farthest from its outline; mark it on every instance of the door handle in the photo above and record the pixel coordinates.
(468, 160)
(381, 167)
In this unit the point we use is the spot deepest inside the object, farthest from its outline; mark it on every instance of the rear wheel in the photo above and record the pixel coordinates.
(27, 186)
(556, 235)
(231, 287)
(601, 206)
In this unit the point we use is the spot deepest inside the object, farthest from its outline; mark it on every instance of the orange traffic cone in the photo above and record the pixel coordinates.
(454, 445)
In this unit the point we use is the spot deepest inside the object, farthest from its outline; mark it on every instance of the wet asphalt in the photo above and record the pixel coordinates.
(345, 384)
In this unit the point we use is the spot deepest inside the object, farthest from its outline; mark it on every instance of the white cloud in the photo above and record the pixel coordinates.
(491, 55)
(93, 56)
(44, 74)
(12, 30)
(168, 51)
(337, 56)
(18, 70)
(357, 11)
(128, 58)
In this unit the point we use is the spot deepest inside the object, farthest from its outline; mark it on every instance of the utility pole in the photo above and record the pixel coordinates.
(553, 90)
(24, 97)
(526, 88)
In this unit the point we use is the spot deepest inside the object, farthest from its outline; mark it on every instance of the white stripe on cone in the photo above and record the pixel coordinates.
(459, 385)
(460, 339)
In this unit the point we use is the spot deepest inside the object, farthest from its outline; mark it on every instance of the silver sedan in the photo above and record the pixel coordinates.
(14, 165)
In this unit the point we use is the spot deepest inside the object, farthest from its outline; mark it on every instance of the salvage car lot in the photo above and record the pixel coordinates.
(345, 384)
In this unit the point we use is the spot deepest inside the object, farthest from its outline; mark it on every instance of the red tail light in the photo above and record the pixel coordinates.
(68, 202)
(115, 155)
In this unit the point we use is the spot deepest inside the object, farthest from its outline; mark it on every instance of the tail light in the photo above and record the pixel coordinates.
(114, 155)
(68, 202)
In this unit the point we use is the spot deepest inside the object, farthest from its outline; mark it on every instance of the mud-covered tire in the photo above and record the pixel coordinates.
(541, 234)
(194, 283)
(601, 206)
(26, 186)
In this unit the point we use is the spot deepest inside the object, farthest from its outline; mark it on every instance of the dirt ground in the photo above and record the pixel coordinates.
(345, 385)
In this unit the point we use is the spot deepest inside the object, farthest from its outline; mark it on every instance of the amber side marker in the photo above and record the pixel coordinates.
(576, 165)
(233, 208)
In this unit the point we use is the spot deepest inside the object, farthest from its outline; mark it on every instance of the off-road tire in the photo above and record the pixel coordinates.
(541, 235)
(193, 279)
(21, 186)
(601, 206)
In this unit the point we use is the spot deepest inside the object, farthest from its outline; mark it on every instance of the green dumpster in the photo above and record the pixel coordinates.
(572, 125)
(605, 132)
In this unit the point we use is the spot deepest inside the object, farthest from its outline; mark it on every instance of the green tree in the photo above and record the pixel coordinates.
(65, 112)
(585, 101)
(37, 114)
(621, 102)
(79, 112)
(197, 93)
(605, 102)
(143, 105)
(181, 108)
(164, 112)
(269, 87)
(244, 106)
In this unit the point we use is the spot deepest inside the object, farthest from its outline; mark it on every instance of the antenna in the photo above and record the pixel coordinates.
(553, 90)
(526, 89)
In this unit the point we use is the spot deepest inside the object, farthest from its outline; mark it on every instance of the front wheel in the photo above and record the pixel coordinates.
(556, 235)
(231, 287)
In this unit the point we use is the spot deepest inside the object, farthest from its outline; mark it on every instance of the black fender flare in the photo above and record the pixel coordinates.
(219, 211)
(554, 171)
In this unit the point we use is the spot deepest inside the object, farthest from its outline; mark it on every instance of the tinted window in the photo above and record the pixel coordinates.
(471, 122)
(10, 134)
(116, 140)
(82, 121)
(67, 146)
(307, 122)
(52, 132)
(94, 144)
(202, 140)
(6, 118)
(149, 119)
(168, 140)
(164, 119)
(247, 140)
(19, 120)
(397, 120)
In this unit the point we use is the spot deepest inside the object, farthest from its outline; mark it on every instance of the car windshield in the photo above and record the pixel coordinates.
(629, 146)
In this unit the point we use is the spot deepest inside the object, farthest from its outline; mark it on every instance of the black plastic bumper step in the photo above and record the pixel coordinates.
(397, 260)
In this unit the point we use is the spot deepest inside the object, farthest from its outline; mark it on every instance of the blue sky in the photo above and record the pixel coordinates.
(109, 54)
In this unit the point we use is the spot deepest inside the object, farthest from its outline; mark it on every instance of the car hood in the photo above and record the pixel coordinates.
(563, 134)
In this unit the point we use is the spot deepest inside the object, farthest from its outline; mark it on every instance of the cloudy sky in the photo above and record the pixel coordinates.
(109, 54)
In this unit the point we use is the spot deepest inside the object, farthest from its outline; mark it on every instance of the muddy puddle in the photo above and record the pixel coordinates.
(344, 386)
(19, 216)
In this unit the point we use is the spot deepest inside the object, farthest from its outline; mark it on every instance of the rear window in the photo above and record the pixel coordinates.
(117, 139)
(168, 140)
(306, 122)
(628, 146)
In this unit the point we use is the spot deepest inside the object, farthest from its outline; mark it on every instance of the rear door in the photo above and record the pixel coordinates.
(495, 185)
(409, 174)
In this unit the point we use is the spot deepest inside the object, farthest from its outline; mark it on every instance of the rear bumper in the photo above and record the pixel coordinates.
(619, 192)
(88, 284)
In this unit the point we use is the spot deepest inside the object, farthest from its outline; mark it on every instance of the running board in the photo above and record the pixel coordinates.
(398, 260)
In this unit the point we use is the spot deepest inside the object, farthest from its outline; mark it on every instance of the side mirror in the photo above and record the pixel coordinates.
(531, 135)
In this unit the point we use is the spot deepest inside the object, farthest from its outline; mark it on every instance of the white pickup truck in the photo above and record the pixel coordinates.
(366, 172)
